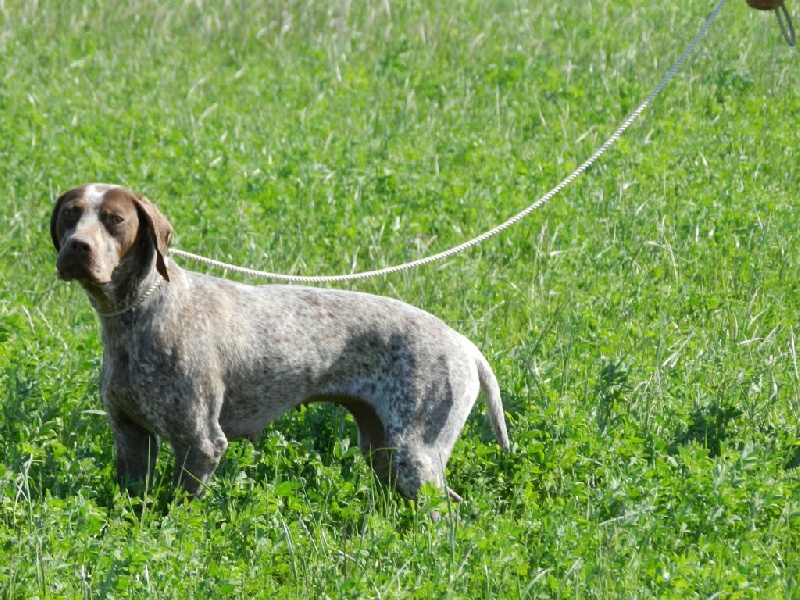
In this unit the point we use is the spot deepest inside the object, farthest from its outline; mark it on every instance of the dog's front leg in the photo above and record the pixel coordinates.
(196, 459)
(136, 453)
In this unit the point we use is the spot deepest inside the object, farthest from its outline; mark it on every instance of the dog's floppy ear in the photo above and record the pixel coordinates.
(160, 231)
(54, 219)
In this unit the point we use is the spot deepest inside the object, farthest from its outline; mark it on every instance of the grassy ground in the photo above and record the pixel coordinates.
(643, 326)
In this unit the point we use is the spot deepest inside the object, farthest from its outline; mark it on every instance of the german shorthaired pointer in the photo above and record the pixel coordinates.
(198, 360)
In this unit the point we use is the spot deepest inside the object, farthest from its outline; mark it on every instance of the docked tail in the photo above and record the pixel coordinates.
(491, 396)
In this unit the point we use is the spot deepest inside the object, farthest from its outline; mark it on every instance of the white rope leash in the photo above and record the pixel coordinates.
(492, 232)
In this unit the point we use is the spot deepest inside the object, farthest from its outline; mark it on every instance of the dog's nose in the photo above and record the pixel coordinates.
(79, 246)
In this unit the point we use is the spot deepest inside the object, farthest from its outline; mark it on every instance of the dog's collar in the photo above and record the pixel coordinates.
(132, 306)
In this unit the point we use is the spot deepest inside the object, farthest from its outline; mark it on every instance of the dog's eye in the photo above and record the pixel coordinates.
(114, 219)
(70, 213)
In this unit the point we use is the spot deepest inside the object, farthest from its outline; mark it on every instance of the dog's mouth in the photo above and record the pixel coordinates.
(69, 270)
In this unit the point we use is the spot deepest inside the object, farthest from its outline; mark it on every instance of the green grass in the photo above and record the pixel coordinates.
(643, 326)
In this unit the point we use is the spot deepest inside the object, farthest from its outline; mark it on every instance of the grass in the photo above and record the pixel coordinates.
(643, 325)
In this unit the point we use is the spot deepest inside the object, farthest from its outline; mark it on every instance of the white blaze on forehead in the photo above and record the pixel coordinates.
(94, 192)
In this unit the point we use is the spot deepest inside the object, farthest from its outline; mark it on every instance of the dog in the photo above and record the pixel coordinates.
(197, 360)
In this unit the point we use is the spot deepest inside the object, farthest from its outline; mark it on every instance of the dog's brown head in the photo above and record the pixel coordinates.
(95, 226)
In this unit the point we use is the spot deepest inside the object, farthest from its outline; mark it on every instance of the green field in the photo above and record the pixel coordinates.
(643, 325)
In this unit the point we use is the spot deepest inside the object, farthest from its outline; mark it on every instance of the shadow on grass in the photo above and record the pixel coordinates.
(793, 458)
(611, 389)
(709, 426)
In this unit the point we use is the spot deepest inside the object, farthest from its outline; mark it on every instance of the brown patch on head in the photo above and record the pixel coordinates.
(57, 226)
(119, 214)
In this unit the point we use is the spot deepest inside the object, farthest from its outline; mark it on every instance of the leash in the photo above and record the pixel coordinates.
(129, 307)
(499, 228)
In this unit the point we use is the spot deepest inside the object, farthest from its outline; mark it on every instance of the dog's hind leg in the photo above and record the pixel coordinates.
(413, 467)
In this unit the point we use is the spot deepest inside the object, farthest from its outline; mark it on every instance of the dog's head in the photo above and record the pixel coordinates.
(95, 227)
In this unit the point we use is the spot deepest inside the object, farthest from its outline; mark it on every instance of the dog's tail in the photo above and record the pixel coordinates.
(494, 403)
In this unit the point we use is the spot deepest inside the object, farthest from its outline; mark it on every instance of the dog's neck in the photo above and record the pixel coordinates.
(107, 307)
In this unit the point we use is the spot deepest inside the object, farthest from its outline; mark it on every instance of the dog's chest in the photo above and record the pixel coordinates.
(140, 375)
(128, 384)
